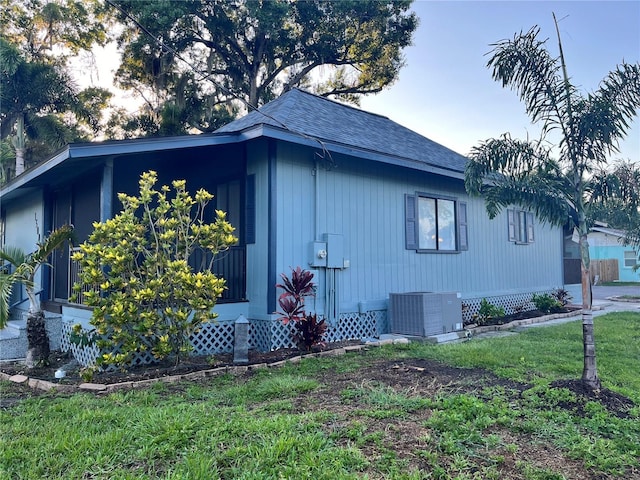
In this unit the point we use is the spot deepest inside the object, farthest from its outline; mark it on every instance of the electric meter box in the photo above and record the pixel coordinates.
(318, 254)
(335, 250)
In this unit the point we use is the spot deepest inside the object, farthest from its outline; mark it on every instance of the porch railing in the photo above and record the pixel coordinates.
(230, 265)
(74, 277)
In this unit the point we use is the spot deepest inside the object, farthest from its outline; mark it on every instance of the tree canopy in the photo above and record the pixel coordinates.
(41, 108)
(197, 63)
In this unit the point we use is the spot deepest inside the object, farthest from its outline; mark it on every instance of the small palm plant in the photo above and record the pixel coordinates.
(309, 329)
(23, 272)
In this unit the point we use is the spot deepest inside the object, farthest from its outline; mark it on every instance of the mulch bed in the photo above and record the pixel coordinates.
(527, 315)
(191, 364)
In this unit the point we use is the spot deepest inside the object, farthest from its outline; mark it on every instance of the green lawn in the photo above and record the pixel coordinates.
(620, 284)
(363, 415)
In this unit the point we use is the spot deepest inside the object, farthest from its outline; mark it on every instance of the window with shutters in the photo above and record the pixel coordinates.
(435, 224)
(520, 226)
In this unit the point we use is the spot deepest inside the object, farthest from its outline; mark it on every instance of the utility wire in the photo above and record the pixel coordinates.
(218, 85)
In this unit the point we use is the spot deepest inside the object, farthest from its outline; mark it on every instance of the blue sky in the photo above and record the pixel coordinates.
(446, 93)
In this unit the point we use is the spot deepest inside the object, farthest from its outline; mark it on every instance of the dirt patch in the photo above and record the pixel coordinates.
(616, 404)
(409, 439)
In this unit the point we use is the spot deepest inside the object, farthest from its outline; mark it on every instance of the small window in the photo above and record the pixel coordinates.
(630, 259)
(520, 226)
(435, 224)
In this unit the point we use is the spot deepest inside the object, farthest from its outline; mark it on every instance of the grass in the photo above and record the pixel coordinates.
(291, 423)
(619, 284)
(542, 355)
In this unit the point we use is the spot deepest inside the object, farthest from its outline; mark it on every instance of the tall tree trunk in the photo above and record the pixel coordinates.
(590, 370)
(38, 339)
(19, 144)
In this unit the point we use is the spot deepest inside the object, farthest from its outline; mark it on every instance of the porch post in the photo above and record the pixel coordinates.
(106, 191)
(273, 226)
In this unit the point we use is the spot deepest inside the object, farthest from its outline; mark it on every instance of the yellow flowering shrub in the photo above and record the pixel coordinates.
(135, 266)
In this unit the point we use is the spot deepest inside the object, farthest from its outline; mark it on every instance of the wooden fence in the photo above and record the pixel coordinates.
(606, 270)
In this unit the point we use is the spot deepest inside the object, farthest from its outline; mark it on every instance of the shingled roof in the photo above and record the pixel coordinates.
(302, 113)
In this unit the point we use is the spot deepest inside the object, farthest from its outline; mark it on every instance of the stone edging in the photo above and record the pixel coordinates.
(526, 321)
(626, 300)
(36, 383)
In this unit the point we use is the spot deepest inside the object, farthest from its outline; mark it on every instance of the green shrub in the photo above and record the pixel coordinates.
(563, 296)
(135, 267)
(547, 303)
(487, 312)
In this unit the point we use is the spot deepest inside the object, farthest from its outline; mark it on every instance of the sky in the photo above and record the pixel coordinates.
(446, 93)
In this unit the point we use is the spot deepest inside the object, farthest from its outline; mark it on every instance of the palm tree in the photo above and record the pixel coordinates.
(615, 199)
(33, 96)
(506, 171)
(24, 268)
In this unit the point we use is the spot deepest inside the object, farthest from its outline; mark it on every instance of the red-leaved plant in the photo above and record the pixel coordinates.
(309, 330)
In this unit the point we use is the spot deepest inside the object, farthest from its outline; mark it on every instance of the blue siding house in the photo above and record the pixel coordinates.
(608, 243)
(371, 207)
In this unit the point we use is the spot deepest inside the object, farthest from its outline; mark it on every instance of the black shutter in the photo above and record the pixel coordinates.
(411, 222)
(250, 210)
(463, 236)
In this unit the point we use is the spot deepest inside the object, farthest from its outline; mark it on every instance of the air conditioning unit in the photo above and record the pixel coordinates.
(423, 314)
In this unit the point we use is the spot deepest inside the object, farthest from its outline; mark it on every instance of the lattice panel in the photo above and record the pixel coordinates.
(380, 320)
(87, 355)
(510, 303)
(65, 343)
(281, 335)
(264, 335)
(213, 337)
(260, 335)
(351, 326)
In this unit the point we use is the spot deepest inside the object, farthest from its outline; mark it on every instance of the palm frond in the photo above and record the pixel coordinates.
(534, 193)
(7, 281)
(53, 241)
(503, 156)
(13, 255)
(512, 172)
(605, 116)
(524, 65)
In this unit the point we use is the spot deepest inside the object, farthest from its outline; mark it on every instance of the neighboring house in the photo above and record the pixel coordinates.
(371, 207)
(608, 244)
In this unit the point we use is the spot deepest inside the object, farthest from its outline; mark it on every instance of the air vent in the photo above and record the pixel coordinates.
(422, 314)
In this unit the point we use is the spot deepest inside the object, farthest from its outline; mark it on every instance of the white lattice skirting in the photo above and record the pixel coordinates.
(265, 335)
(511, 304)
(218, 337)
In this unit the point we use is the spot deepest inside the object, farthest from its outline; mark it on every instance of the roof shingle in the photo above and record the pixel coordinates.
(314, 116)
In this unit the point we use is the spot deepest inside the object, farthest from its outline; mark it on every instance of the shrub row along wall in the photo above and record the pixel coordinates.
(511, 304)
(264, 335)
